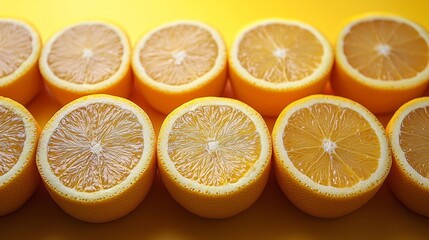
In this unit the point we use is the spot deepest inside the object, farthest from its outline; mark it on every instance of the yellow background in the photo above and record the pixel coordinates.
(159, 217)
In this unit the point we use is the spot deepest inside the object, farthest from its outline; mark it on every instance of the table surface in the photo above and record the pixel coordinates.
(159, 217)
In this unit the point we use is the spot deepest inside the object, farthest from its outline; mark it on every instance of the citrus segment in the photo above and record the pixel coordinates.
(214, 156)
(87, 58)
(179, 54)
(18, 140)
(331, 145)
(394, 51)
(97, 154)
(275, 62)
(408, 133)
(12, 139)
(86, 54)
(19, 51)
(179, 61)
(381, 55)
(331, 155)
(280, 53)
(229, 158)
(414, 139)
(16, 47)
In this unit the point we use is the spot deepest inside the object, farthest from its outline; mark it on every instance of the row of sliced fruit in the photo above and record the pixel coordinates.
(97, 156)
(380, 61)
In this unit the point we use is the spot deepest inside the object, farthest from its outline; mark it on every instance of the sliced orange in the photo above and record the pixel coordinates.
(214, 156)
(19, 133)
(408, 132)
(274, 62)
(381, 61)
(87, 58)
(331, 155)
(96, 157)
(20, 46)
(179, 61)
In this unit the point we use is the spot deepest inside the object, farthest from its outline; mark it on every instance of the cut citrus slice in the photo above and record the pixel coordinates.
(214, 156)
(179, 61)
(96, 157)
(274, 62)
(87, 58)
(381, 62)
(408, 132)
(331, 155)
(19, 134)
(20, 46)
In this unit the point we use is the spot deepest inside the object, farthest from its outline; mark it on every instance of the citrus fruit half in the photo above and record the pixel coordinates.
(96, 157)
(87, 58)
(214, 156)
(408, 132)
(331, 155)
(178, 62)
(19, 134)
(274, 62)
(20, 46)
(381, 61)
